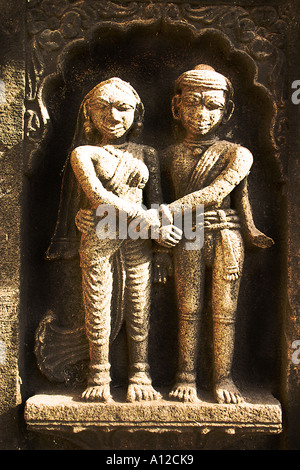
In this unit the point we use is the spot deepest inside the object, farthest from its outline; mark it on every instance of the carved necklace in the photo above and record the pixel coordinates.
(118, 151)
(197, 148)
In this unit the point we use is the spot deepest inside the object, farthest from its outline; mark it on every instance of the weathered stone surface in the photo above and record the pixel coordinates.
(12, 76)
(70, 46)
(47, 412)
(244, 49)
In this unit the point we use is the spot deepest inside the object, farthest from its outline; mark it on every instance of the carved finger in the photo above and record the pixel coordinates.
(170, 243)
(176, 235)
(239, 399)
(81, 228)
(177, 230)
(155, 276)
(172, 239)
(170, 270)
(86, 211)
(166, 212)
(167, 240)
(163, 276)
(88, 218)
(133, 179)
(234, 398)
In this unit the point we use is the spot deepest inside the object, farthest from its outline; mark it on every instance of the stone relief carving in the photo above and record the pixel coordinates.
(204, 171)
(55, 27)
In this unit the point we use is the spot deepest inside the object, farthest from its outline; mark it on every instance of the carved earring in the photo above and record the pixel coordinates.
(228, 111)
(138, 120)
(175, 107)
(88, 128)
(140, 111)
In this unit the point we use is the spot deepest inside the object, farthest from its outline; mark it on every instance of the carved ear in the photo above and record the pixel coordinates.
(85, 111)
(139, 113)
(138, 120)
(228, 111)
(175, 107)
(87, 124)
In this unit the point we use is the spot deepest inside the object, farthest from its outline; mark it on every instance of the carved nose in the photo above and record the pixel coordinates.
(202, 112)
(115, 114)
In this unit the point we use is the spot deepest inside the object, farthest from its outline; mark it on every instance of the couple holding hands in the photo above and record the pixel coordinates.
(106, 167)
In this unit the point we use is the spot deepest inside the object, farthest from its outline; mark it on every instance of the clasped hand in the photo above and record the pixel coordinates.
(159, 221)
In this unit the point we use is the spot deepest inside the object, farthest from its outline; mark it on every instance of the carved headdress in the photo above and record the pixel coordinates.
(205, 76)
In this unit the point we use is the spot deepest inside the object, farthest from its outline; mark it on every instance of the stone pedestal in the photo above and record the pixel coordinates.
(66, 415)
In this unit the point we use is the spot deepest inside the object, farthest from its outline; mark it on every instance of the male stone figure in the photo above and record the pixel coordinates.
(213, 173)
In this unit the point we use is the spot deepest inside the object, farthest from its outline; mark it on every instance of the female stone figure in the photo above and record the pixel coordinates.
(113, 171)
(210, 172)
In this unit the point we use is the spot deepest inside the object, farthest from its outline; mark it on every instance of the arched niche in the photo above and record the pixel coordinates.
(151, 58)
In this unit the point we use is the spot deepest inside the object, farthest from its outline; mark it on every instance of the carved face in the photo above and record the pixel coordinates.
(112, 111)
(201, 110)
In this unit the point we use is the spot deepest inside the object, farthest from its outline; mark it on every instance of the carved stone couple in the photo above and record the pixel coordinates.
(110, 169)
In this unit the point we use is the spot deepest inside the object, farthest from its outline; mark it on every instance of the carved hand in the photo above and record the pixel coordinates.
(162, 267)
(150, 218)
(260, 240)
(84, 220)
(169, 235)
(138, 177)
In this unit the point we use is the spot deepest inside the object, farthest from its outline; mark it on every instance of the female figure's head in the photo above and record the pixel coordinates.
(110, 113)
(202, 102)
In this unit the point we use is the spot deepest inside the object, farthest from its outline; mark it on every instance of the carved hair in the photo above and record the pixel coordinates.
(86, 132)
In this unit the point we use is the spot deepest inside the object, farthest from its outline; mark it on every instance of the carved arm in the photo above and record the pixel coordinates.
(239, 165)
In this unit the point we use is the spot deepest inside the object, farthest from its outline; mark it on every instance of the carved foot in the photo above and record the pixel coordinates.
(227, 392)
(140, 389)
(185, 392)
(97, 393)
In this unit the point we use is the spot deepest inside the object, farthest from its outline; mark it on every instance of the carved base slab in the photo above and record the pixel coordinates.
(65, 412)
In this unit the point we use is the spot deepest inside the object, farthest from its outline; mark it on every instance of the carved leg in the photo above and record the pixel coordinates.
(97, 290)
(138, 260)
(189, 278)
(224, 306)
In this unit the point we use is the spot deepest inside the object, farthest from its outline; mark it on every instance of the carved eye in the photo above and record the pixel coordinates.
(124, 107)
(192, 101)
(213, 105)
(100, 105)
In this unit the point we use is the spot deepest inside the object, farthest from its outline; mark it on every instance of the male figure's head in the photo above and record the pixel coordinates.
(202, 102)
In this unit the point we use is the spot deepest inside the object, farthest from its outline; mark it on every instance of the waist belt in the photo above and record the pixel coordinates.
(225, 221)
